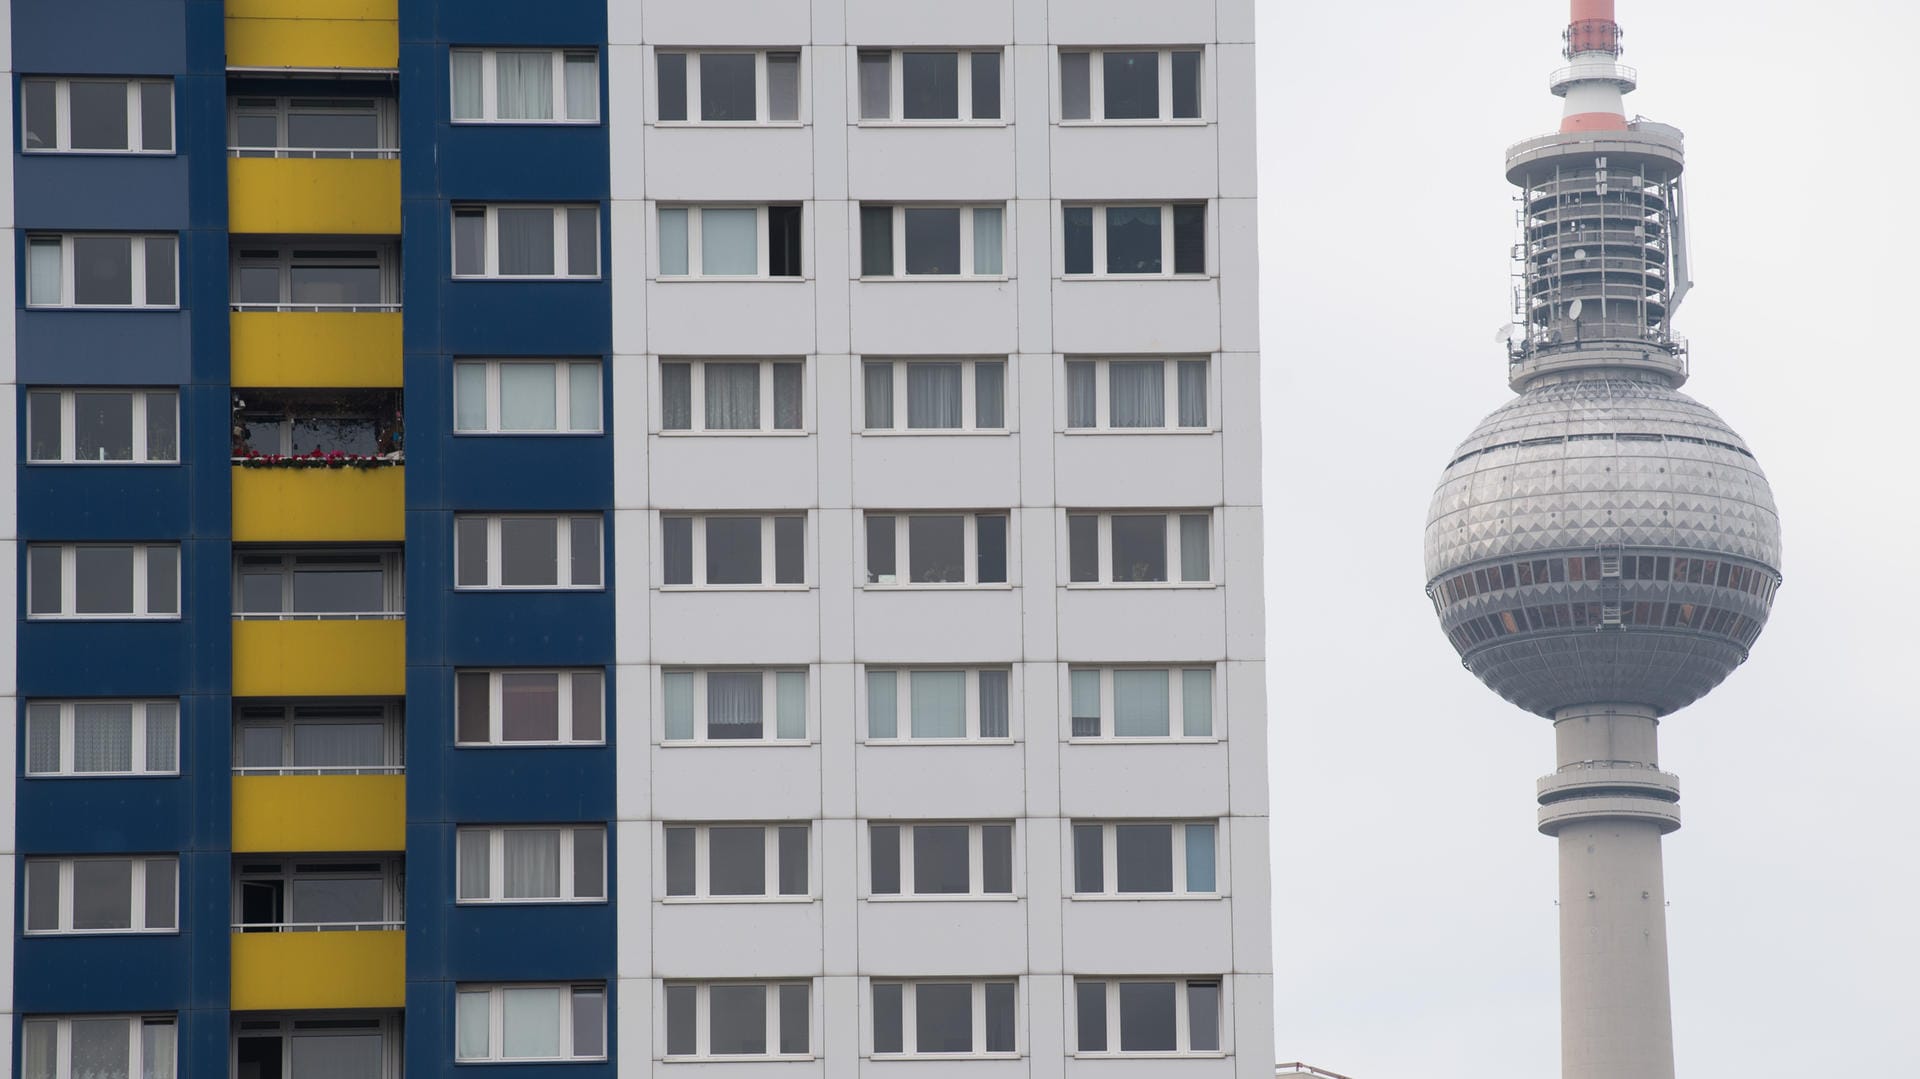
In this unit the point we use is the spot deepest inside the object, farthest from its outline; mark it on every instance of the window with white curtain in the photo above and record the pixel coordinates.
(103, 426)
(930, 549)
(1132, 548)
(945, 1018)
(941, 859)
(319, 737)
(1131, 240)
(519, 707)
(526, 397)
(318, 894)
(730, 241)
(520, 240)
(943, 395)
(526, 86)
(1130, 85)
(98, 1047)
(1129, 858)
(526, 551)
(535, 863)
(530, 1022)
(341, 128)
(1141, 702)
(736, 861)
(103, 580)
(734, 705)
(929, 86)
(102, 738)
(732, 1020)
(1122, 394)
(97, 269)
(96, 116)
(331, 1048)
(932, 241)
(725, 550)
(732, 396)
(1148, 1016)
(102, 895)
(938, 704)
(727, 87)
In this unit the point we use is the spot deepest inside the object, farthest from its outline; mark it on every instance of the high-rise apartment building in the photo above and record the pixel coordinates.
(705, 537)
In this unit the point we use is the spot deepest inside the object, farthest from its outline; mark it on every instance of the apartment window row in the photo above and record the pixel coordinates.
(530, 1023)
(717, 87)
(516, 551)
(526, 396)
(1139, 548)
(737, 861)
(352, 737)
(934, 395)
(929, 549)
(103, 426)
(520, 707)
(732, 395)
(96, 116)
(945, 704)
(103, 580)
(929, 85)
(729, 551)
(343, 583)
(532, 864)
(318, 894)
(335, 127)
(723, 1020)
(102, 895)
(932, 241)
(1145, 858)
(104, 270)
(1130, 85)
(732, 706)
(333, 1047)
(522, 86)
(730, 241)
(940, 859)
(314, 276)
(98, 1047)
(103, 738)
(1124, 703)
(520, 240)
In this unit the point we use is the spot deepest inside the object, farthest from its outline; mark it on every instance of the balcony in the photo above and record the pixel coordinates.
(295, 971)
(318, 196)
(273, 812)
(349, 34)
(284, 347)
(319, 658)
(319, 505)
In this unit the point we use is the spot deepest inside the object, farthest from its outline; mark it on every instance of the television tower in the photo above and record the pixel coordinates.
(1603, 549)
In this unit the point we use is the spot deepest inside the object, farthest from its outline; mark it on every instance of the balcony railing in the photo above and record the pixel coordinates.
(315, 306)
(320, 770)
(316, 153)
(320, 616)
(316, 927)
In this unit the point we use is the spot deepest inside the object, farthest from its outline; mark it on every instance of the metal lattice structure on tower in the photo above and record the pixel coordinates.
(1603, 550)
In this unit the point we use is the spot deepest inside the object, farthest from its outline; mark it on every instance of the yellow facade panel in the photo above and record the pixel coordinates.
(316, 348)
(319, 505)
(303, 971)
(362, 44)
(303, 195)
(332, 658)
(319, 813)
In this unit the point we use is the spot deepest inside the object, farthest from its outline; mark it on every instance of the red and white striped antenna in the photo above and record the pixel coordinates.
(1594, 82)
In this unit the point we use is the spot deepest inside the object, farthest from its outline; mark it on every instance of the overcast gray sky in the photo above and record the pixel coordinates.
(1415, 932)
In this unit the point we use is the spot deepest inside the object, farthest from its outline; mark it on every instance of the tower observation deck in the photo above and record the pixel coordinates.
(1603, 550)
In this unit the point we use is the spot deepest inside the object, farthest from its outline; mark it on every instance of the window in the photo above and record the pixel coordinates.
(526, 397)
(1136, 394)
(316, 127)
(732, 396)
(940, 859)
(921, 85)
(102, 895)
(90, 269)
(332, 1048)
(734, 705)
(103, 580)
(754, 1019)
(726, 241)
(101, 426)
(506, 551)
(352, 737)
(717, 551)
(1130, 84)
(729, 87)
(935, 395)
(1141, 702)
(1135, 241)
(97, 1047)
(1139, 548)
(911, 549)
(531, 1022)
(315, 277)
(270, 421)
(533, 864)
(1145, 858)
(97, 116)
(526, 86)
(939, 704)
(103, 738)
(343, 583)
(517, 240)
(932, 241)
(737, 861)
(1163, 1017)
(944, 1018)
(521, 707)
(318, 894)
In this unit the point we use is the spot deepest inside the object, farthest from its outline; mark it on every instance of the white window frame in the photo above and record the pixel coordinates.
(1099, 227)
(976, 863)
(284, 106)
(966, 271)
(490, 256)
(969, 396)
(137, 1064)
(902, 553)
(1097, 86)
(896, 90)
(1110, 860)
(762, 107)
(1173, 516)
(563, 553)
(393, 584)
(697, 397)
(909, 1018)
(63, 117)
(703, 863)
(762, 241)
(288, 1029)
(137, 899)
(497, 868)
(496, 1020)
(703, 1019)
(314, 712)
(903, 705)
(69, 585)
(563, 371)
(137, 272)
(69, 434)
(1183, 1032)
(319, 253)
(769, 705)
(490, 87)
(1170, 396)
(1176, 707)
(563, 703)
(768, 556)
(61, 714)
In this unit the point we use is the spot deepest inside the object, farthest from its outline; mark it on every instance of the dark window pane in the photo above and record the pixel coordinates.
(986, 86)
(320, 283)
(1077, 227)
(1139, 547)
(880, 554)
(471, 706)
(1203, 1016)
(940, 860)
(680, 874)
(737, 861)
(43, 425)
(1146, 1017)
(526, 241)
(103, 580)
(727, 86)
(991, 546)
(588, 725)
(163, 580)
(1089, 867)
(796, 1017)
(676, 554)
(943, 1017)
(1143, 857)
(1075, 78)
(470, 551)
(583, 241)
(1090, 999)
(584, 556)
(989, 395)
(789, 550)
(884, 858)
(1133, 239)
(936, 549)
(103, 894)
(156, 116)
(793, 859)
(163, 427)
(1190, 238)
(733, 550)
(933, 241)
(739, 1019)
(783, 241)
(788, 410)
(673, 90)
(683, 1024)
(38, 105)
(1000, 1017)
(529, 551)
(1186, 84)
(333, 130)
(102, 270)
(676, 396)
(43, 580)
(930, 85)
(888, 1035)
(1133, 85)
(97, 115)
(1083, 547)
(529, 708)
(338, 591)
(102, 425)
(876, 241)
(996, 859)
(161, 289)
(469, 242)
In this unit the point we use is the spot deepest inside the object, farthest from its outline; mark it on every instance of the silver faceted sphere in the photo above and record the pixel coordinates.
(1602, 540)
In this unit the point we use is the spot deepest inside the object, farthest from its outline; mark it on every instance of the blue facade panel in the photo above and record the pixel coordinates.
(135, 502)
(103, 191)
(104, 348)
(102, 37)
